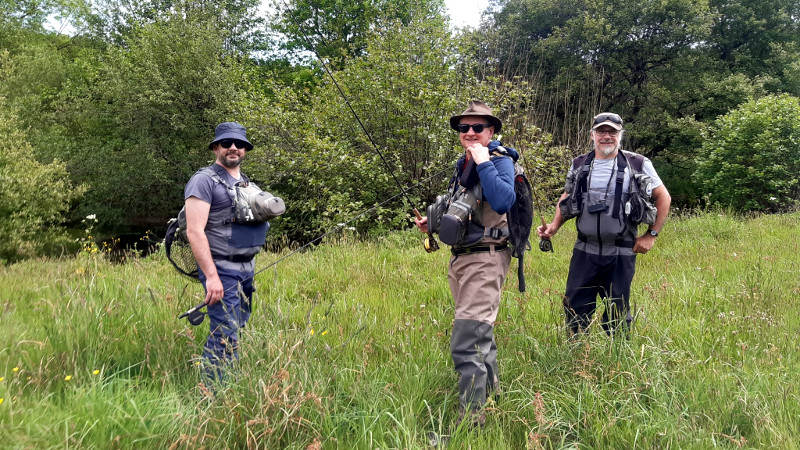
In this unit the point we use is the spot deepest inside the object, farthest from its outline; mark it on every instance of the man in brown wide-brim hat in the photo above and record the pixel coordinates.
(484, 178)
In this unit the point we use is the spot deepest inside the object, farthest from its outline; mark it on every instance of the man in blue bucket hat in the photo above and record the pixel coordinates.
(224, 244)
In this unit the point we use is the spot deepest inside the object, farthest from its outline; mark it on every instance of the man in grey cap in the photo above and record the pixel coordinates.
(479, 261)
(601, 192)
(224, 249)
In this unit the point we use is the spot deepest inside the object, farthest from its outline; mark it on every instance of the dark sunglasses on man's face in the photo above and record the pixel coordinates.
(226, 143)
(608, 117)
(477, 127)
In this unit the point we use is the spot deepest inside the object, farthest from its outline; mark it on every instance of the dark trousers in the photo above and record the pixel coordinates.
(226, 318)
(590, 276)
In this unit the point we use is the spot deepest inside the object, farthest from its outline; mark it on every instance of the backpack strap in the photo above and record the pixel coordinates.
(217, 173)
(585, 164)
(622, 164)
(636, 161)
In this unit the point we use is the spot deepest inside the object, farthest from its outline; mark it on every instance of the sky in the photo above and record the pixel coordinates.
(466, 12)
(462, 13)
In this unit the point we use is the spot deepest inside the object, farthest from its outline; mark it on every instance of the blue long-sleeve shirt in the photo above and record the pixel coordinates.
(497, 179)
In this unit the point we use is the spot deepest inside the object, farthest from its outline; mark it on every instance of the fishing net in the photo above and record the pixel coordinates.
(179, 252)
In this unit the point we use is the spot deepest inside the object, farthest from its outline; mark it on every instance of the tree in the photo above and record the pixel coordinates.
(319, 158)
(138, 122)
(237, 22)
(34, 197)
(340, 29)
(751, 156)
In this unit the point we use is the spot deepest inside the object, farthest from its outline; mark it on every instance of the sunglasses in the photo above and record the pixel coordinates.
(226, 143)
(608, 132)
(477, 127)
(608, 117)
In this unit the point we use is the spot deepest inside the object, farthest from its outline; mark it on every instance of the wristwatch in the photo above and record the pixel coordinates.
(652, 232)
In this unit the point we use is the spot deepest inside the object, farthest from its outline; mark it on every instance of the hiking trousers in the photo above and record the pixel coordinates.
(476, 280)
(226, 317)
(608, 277)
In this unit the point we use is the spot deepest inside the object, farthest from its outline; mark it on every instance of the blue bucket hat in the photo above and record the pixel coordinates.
(230, 130)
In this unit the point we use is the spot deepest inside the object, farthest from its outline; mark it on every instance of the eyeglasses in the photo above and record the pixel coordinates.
(477, 127)
(608, 132)
(226, 143)
(608, 117)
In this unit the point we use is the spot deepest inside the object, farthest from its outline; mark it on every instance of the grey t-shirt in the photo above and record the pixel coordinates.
(203, 187)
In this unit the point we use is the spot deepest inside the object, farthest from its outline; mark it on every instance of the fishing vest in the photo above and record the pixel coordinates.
(237, 233)
(615, 224)
(461, 217)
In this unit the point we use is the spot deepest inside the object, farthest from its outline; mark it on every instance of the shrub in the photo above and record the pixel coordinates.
(751, 156)
(33, 197)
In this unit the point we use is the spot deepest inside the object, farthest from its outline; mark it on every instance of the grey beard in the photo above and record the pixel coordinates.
(610, 151)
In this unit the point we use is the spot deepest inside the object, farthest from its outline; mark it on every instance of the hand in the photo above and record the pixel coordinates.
(478, 153)
(422, 224)
(214, 290)
(546, 232)
(644, 243)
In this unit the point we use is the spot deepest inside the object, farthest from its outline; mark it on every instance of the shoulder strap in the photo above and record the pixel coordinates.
(585, 163)
(636, 161)
(622, 164)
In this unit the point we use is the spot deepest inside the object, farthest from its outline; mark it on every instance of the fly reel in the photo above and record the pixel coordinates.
(195, 316)
(545, 245)
(430, 244)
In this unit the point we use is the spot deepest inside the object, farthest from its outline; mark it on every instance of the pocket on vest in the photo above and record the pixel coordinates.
(246, 236)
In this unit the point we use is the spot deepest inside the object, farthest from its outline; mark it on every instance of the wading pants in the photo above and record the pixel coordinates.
(476, 280)
(590, 276)
(226, 318)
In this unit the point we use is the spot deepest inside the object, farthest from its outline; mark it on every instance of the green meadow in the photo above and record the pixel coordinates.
(348, 347)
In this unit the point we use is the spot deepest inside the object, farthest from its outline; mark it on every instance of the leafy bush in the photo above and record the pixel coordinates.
(33, 197)
(751, 156)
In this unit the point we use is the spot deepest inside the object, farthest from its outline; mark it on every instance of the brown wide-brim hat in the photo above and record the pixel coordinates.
(479, 109)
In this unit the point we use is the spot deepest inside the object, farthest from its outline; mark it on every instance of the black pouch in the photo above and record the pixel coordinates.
(453, 226)
(569, 207)
(436, 212)
(598, 207)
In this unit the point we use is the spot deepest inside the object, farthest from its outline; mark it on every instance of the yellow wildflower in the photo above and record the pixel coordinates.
(68, 377)
(15, 369)
(96, 371)
(312, 331)
(1, 401)
(324, 332)
(2, 378)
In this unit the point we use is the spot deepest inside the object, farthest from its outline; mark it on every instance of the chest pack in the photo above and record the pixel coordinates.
(457, 216)
(639, 206)
(235, 234)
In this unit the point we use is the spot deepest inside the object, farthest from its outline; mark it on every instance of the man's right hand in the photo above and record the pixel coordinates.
(214, 290)
(547, 231)
(422, 224)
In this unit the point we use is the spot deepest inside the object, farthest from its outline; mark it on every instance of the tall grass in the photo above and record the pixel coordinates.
(348, 347)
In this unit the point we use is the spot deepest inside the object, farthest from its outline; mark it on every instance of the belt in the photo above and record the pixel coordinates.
(617, 243)
(478, 249)
(233, 258)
